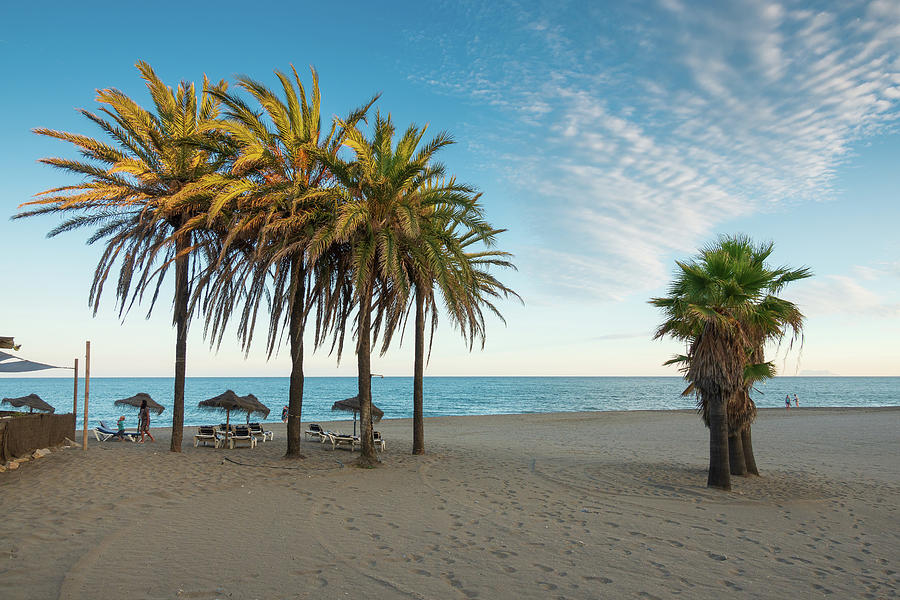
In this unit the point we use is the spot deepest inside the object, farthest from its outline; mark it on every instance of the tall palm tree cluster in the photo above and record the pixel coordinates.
(723, 305)
(346, 228)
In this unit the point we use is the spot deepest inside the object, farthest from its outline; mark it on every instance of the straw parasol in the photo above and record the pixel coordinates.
(8, 343)
(136, 400)
(229, 401)
(258, 407)
(352, 405)
(32, 401)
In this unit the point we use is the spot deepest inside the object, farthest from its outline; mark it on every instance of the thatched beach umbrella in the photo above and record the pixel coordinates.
(8, 343)
(352, 405)
(32, 401)
(258, 407)
(229, 401)
(135, 401)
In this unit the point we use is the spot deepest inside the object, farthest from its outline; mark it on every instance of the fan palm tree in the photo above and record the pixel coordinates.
(135, 193)
(722, 304)
(773, 319)
(381, 211)
(277, 193)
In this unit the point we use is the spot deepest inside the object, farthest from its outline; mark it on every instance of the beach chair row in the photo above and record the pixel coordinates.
(338, 439)
(232, 435)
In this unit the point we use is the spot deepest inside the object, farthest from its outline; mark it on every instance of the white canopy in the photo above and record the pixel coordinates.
(10, 363)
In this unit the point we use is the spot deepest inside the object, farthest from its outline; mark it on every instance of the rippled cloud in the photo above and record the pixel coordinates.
(637, 132)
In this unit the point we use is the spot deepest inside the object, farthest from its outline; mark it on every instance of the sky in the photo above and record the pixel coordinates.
(609, 139)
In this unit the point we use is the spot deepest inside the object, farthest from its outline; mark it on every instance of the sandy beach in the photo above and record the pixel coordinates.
(572, 505)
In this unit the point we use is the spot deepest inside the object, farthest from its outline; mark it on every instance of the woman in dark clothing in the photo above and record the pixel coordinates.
(144, 422)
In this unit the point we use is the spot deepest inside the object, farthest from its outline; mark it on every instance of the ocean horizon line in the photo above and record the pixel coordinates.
(81, 376)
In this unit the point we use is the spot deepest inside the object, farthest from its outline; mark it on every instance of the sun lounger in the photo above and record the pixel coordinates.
(315, 431)
(339, 439)
(241, 434)
(223, 433)
(352, 441)
(257, 431)
(104, 433)
(206, 434)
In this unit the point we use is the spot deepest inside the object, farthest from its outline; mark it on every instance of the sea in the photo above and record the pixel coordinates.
(443, 395)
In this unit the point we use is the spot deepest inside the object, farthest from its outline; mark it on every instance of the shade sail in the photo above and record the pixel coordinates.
(32, 401)
(9, 363)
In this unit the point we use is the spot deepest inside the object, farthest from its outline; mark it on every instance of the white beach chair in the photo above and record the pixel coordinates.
(206, 434)
(104, 433)
(241, 434)
(339, 439)
(315, 431)
(257, 431)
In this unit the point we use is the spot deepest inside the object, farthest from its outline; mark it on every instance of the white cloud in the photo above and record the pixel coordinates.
(718, 112)
(841, 295)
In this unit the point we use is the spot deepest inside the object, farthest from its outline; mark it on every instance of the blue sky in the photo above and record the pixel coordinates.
(609, 140)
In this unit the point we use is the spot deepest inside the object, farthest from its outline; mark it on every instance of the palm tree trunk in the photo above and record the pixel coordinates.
(418, 376)
(367, 455)
(295, 391)
(719, 475)
(736, 461)
(182, 296)
(749, 459)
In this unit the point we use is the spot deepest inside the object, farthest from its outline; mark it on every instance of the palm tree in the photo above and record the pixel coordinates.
(722, 305)
(381, 210)
(135, 193)
(277, 194)
(440, 259)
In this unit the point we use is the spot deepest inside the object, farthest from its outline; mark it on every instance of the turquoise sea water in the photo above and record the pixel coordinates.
(443, 395)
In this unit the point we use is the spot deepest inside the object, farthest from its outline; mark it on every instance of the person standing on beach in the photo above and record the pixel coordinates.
(787, 401)
(120, 431)
(144, 422)
(796, 401)
(284, 414)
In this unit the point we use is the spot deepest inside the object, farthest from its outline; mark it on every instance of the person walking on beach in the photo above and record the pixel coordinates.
(144, 422)
(796, 401)
(787, 401)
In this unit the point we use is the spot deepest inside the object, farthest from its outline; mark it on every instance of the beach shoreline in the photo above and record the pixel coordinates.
(544, 505)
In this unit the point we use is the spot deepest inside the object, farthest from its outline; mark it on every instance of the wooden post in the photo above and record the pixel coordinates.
(75, 394)
(87, 392)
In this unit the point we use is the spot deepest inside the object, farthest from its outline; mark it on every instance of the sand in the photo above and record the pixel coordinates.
(576, 505)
